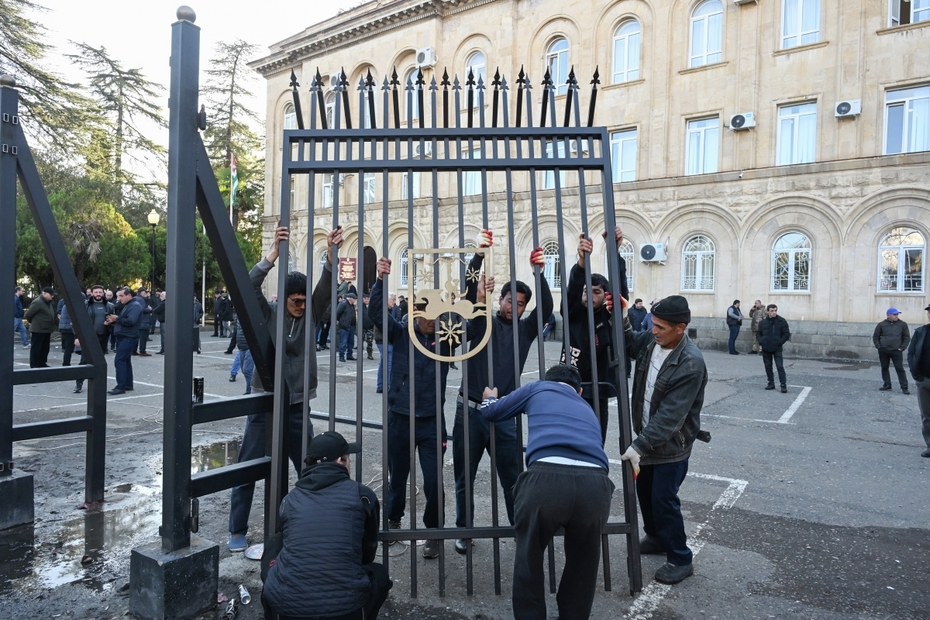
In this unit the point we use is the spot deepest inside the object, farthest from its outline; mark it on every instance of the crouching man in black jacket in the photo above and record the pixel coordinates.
(330, 525)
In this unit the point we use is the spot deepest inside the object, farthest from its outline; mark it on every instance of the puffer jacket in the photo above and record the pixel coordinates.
(677, 398)
(773, 334)
(330, 525)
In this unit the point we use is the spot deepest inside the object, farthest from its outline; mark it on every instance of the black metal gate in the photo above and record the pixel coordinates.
(16, 162)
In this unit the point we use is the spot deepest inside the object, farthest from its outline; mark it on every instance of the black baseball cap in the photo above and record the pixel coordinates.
(329, 446)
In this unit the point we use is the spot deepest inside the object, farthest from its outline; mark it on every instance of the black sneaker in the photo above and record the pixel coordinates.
(784, 389)
(926, 453)
(431, 549)
(905, 391)
(671, 573)
(232, 378)
(770, 386)
(650, 546)
(461, 545)
(394, 525)
(884, 388)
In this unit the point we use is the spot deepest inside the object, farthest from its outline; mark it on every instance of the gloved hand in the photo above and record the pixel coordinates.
(633, 457)
(486, 239)
(536, 258)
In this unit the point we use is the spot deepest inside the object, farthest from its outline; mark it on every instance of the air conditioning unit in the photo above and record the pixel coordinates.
(426, 57)
(653, 253)
(334, 78)
(846, 109)
(743, 120)
(742, 2)
(425, 151)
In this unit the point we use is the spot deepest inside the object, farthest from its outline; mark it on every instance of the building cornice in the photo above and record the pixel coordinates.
(350, 27)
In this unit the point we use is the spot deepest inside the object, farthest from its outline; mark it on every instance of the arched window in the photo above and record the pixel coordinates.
(324, 257)
(901, 261)
(410, 78)
(290, 117)
(626, 52)
(477, 64)
(707, 34)
(791, 263)
(403, 269)
(551, 269)
(557, 63)
(698, 261)
(626, 253)
(330, 109)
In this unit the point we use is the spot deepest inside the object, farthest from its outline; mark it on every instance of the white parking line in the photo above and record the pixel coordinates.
(785, 417)
(649, 599)
(794, 406)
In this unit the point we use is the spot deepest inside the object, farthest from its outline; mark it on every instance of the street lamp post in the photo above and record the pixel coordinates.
(153, 222)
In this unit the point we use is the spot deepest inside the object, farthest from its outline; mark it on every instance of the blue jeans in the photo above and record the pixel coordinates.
(390, 355)
(479, 441)
(243, 361)
(657, 489)
(123, 362)
(253, 447)
(399, 465)
(734, 332)
(18, 326)
(346, 342)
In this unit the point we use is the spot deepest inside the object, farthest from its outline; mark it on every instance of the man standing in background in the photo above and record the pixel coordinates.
(18, 313)
(41, 317)
(891, 338)
(756, 314)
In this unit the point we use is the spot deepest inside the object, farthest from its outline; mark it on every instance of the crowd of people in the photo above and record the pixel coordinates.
(564, 486)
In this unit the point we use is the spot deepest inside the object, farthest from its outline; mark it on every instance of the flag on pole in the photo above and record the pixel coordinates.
(233, 180)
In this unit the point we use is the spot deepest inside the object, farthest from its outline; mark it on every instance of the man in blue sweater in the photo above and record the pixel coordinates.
(566, 485)
(427, 419)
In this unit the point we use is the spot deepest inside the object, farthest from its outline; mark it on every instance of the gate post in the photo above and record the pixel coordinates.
(18, 506)
(178, 577)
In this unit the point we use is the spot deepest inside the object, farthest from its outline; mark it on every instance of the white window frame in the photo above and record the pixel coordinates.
(627, 49)
(292, 190)
(800, 22)
(552, 267)
(797, 134)
(471, 179)
(917, 11)
(477, 62)
(327, 188)
(620, 142)
(794, 256)
(698, 256)
(627, 253)
(369, 191)
(707, 21)
(290, 117)
(403, 268)
(914, 104)
(404, 185)
(901, 247)
(703, 145)
(330, 105)
(549, 175)
(411, 76)
(557, 63)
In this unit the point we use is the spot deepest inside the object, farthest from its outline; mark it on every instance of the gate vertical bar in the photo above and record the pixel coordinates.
(9, 99)
(182, 198)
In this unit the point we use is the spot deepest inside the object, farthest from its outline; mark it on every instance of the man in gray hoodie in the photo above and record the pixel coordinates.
(295, 322)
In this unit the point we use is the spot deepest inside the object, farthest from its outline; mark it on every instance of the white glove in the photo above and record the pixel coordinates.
(633, 457)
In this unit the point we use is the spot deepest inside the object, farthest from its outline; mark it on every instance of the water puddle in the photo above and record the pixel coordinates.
(215, 455)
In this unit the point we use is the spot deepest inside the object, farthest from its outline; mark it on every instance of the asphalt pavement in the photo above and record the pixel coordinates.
(811, 504)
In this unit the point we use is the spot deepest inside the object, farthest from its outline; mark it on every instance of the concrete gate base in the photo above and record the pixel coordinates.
(18, 505)
(175, 585)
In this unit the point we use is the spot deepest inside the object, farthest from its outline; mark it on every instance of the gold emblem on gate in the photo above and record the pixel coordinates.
(447, 305)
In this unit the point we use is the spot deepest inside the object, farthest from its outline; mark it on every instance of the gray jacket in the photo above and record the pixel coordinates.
(677, 398)
(294, 352)
(892, 335)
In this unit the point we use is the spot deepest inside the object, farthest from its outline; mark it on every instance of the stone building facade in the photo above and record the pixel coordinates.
(778, 150)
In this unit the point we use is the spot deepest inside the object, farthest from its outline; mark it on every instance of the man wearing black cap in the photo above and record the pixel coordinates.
(918, 360)
(891, 338)
(330, 522)
(41, 317)
(346, 320)
(668, 393)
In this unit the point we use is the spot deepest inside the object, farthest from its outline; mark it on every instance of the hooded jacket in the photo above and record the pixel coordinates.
(773, 334)
(41, 316)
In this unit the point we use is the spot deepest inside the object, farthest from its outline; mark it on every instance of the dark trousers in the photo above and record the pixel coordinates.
(232, 339)
(369, 335)
(38, 354)
(103, 339)
(218, 326)
(479, 441)
(67, 346)
(923, 402)
(390, 354)
(143, 339)
(253, 447)
(657, 489)
(122, 364)
(767, 357)
(380, 586)
(399, 465)
(161, 333)
(346, 342)
(734, 333)
(897, 358)
(322, 335)
(547, 497)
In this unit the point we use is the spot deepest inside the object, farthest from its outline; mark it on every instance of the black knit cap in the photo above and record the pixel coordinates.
(673, 309)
